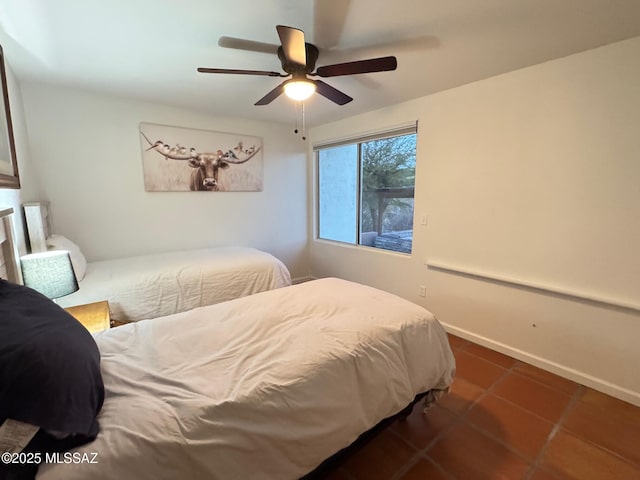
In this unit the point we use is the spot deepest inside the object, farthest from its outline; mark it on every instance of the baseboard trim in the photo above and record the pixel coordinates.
(561, 370)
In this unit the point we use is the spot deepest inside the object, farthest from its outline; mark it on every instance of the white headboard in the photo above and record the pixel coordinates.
(9, 258)
(38, 225)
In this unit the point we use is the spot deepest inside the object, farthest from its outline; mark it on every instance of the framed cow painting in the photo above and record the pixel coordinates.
(177, 159)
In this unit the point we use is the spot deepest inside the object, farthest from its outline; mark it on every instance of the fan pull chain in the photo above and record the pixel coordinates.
(295, 128)
(304, 131)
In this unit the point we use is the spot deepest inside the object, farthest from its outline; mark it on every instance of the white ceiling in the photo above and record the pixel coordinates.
(150, 49)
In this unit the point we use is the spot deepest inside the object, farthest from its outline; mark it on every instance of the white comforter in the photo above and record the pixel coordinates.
(263, 387)
(156, 285)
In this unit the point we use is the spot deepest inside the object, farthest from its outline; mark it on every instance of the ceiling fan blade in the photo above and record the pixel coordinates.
(292, 40)
(271, 96)
(250, 45)
(241, 72)
(333, 94)
(381, 64)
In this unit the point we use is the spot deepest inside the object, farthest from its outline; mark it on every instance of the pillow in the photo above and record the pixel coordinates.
(49, 365)
(58, 242)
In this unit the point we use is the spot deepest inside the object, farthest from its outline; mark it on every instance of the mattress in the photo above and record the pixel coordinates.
(156, 285)
(280, 381)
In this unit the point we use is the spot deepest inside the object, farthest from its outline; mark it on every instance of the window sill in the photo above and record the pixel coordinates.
(362, 248)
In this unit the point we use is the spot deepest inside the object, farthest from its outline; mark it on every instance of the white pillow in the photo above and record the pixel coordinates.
(58, 242)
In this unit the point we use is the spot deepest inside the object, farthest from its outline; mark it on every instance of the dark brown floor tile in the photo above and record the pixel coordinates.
(420, 428)
(533, 396)
(512, 425)
(461, 396)
(380, 458)
(549, 379)
(577, 459)
(466, 453)
(477, 370)
(336, 475)
(424, 470)
(540, 474)
(606, 421)
(457, 343)
(491, 355)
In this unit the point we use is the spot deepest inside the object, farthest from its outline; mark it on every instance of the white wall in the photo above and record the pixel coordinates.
(86, 148)
(532, 175)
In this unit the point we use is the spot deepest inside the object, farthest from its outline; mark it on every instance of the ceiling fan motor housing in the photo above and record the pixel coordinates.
(294, 68)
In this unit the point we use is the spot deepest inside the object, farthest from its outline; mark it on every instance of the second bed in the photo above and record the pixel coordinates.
(151, 286)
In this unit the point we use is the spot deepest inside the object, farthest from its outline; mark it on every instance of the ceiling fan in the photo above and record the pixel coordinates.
(298, 60)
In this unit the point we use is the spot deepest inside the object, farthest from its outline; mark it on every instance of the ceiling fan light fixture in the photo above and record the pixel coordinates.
(299, 89)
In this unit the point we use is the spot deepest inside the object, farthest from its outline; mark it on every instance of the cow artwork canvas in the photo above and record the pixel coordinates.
(179, 159)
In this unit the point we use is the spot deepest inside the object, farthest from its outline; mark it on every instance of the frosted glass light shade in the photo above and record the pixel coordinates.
(50, 273)
(299, 89)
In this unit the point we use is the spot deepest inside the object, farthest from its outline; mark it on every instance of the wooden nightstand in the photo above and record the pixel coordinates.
(94, 316)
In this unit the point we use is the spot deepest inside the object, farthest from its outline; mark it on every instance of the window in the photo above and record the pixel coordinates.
(366, 188)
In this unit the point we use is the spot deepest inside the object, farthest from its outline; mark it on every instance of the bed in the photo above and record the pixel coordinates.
(280, 381)
(150, 286)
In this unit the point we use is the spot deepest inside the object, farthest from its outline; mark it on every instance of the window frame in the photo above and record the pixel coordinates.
(407, 129)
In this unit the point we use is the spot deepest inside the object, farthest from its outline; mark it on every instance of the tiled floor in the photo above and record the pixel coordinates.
(504, 419)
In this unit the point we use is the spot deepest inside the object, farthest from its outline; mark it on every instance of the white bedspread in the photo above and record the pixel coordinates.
(156, 285)
(278, 382)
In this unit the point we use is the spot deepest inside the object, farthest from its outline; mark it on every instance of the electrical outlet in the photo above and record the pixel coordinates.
(423, 291)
